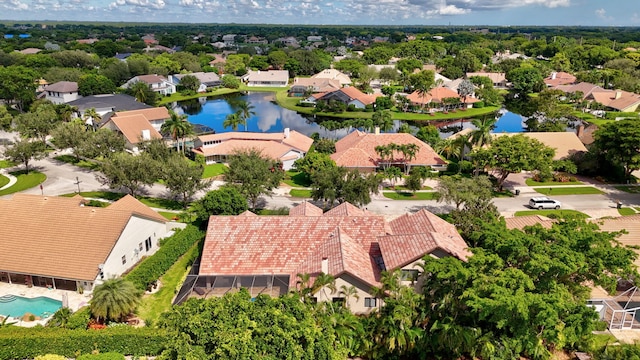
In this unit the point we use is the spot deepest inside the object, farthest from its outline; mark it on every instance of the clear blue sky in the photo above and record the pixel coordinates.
(346, 12)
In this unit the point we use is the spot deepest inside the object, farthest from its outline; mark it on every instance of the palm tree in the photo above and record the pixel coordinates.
(177, 126)
(246, 110)
(233, 120)
(114, 299)
(446, 148)
(481, 136)
(462, 142)
(324, 282)
(91, 117)
(349, 292)
(385, 152)
(140, 91)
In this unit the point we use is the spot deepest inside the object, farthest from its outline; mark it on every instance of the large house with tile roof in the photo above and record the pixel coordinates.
(157, 83)
(135, 128)
(349, 95)
(59, 242)
(333, 74)
(285, 147)
(106, 103)
(358, 151)
(155, 116)
(300, 86)
(435, 99)
(617, 100)
(62, 92)
(274, 78)
(559, 78)
(266, 254)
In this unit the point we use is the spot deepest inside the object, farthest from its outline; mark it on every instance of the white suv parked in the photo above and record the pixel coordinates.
(543, 202)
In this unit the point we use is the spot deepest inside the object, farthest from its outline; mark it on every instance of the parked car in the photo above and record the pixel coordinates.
(544, 202)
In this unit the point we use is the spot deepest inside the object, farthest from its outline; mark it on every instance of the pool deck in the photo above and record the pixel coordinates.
(76, 300)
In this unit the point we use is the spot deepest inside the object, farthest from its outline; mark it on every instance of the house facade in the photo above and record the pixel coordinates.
(499, 80)
(347, 95)
(79, 249)
(285, 147)
(157, 83)
(207, 80)
(156, 116)
(302, 86)
(135, 129)
(270, 78)
(436, 99)
(62, 92)
(266, 254)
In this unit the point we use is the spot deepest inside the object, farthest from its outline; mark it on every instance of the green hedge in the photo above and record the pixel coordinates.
(171, 249)
(27, 343)
(103, 356)
(612, 115)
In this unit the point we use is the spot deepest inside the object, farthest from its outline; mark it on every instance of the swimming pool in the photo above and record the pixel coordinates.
(17, 306)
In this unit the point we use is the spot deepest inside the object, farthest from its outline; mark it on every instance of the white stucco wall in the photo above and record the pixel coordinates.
(62, 98)
(356, 305)
(138, 229)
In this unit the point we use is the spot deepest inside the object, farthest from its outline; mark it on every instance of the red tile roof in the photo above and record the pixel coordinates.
(133, 126)
(156, 113)
(358, 150)
(437, 95)
(350, 239)
(559, 78)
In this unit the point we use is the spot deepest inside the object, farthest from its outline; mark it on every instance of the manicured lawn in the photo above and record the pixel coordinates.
(6, 164)
(629, 189)
(107, 195)
(179, 97)
(402, 187)
(3, 180)
(149, 201)
(296, 179)
(587, 190)
(406, 195)
(626, 211)
(213, 170)
(70, 159)
(300, 193)
(552, 213)
(25, 181)
(532, 182)
(168, 215)
(279, 211)
(155, 304)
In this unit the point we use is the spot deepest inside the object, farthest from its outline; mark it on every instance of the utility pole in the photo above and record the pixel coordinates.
(78, 184)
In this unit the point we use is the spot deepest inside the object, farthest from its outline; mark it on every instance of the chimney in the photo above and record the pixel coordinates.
(325, 265)
(618, 95)
(554, 75)
(377, 130)
(146, 135)
(287, 132)
(580, 130)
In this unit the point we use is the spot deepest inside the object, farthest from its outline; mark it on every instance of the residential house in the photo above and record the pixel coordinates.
(616, 100)
(333, 74)
(157, 83)
(273, 78)
(207, 80)
(135, 129)
(87, 41)
(435, 99)
(314, 38)
(584, 88)
(285, 147)
(301, 86)
(229, 39)
(499, 80)
(256, 40)
(265, 254)
(288, 41)
(29, 51)
(150, 39)
(156, 116)
(559, 78)
(347, 95)
(107, 103)
(358, 151)
(62, 92)
(218, 62)
(564, 143)
(60, 243)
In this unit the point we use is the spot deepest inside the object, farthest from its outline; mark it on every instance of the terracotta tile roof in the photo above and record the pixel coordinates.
(247, 213)
(618, 99)
(631, 224)
(318, 84)
(559, 78)
(63, 87)
(156, 113)
(350, 239)
(584, 87)
(565, 143)
(132, 127)
(437, 95)
(305, 209)
(358, 149)
(333, 74)
(519, 222)
(131, 204)
(296, 140)
(353, 93)
(151, 79)
(57, 236)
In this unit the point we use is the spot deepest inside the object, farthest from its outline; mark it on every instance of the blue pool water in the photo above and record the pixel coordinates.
(17, 306)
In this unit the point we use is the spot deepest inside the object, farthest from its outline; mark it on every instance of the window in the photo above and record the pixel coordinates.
(124, 259)
(370, 302)
(147, 244)
(140, 246)
(339, 300)
(409, 275)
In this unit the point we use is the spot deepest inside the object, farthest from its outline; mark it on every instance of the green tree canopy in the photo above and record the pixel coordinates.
(71, 135)
(253, 174)
(123, 170)
(526, 80)
(24, 150)
(92, 84)
(226, 200)
(183, 178)
(619, 143)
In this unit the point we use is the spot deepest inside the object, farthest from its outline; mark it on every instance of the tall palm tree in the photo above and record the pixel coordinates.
(114, 299)
(233, 120)
(140, 91)
(246, 110)
(177, 127)
(349, 292)
(481, 136)
(446, 148)
(91, 117)
(385, 152)
(461, 143)
(409, 152)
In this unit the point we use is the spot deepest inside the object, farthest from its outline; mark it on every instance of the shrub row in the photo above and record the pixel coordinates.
(102, 356)
(171, 249)
(27, 343)
(612, 115)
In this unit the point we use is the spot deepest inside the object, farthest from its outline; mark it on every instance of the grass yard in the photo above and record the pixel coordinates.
(70, 159)
(213, 170)
(3, 180)
(168, 215)
(300, 193)
(155, 304)
(626, 211)
(296, 179)
(6, 164)
(25, 181)
(532, 182)
(629, 189)
(402, 187)
(179, 97)
(587, 190)
(149, 201)
(552, 213)
(406, 195)
(107, 195)
(279, 211)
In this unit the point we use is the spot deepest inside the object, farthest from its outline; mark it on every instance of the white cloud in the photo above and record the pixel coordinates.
(602, 14)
